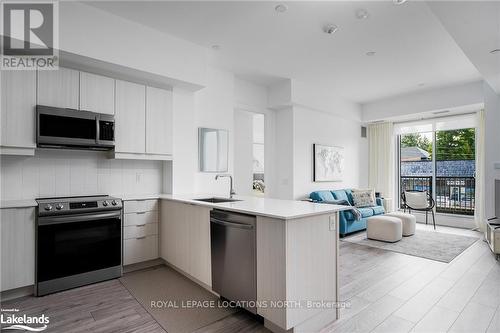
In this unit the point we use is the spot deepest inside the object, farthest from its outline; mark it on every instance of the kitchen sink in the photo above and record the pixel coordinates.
(217, 200)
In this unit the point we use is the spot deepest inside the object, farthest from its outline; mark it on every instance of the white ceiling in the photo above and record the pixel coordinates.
(475, 26)
(412, 47)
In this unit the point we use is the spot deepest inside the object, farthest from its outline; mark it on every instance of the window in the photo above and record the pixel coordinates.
(438, 156)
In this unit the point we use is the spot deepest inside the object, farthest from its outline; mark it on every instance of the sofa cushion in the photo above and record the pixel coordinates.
(366, 212)
(377, 210)
(340, 195)
(349, 196)
(322, 196)
(364, 198)
(349, 216)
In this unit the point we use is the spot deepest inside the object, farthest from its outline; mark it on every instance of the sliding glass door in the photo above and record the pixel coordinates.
(440, 159)
(455, 171)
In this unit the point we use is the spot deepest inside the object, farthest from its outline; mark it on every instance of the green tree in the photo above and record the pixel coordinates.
(416, 140)
(456, 144)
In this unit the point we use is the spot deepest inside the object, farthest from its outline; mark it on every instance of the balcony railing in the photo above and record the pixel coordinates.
(453, 195)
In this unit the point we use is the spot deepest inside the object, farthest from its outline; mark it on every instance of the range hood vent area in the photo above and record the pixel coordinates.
(74, 129)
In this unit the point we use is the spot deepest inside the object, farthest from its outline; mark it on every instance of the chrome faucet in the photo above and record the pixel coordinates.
(231, 190)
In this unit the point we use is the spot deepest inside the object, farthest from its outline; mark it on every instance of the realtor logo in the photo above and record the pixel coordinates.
(29, 35)
(11, 319)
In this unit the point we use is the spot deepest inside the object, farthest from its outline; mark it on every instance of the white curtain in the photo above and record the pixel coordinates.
(480, 217)
(381, 160)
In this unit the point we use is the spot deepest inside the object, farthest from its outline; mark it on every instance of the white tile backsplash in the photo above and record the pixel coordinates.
(67, 172)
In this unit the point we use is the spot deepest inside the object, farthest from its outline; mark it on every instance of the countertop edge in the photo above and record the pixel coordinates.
(128, 197)
(333, 209)
(22, 203)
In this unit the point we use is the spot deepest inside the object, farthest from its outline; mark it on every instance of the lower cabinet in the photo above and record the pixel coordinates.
(140, 231)
(140, 249)
(185, 238)
(17, 247)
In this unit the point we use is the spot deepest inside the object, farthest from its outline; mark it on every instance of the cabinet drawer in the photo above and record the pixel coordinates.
(140, 218)
(134, 206)
(140, 230)
(140, 249)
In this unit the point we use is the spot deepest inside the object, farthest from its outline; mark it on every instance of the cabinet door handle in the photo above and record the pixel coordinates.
(140, 225)
(141, 237)
(141, 212)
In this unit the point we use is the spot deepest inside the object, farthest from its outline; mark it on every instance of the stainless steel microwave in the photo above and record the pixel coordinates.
(68, 128)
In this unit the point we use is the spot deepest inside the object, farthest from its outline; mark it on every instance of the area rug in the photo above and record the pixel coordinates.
(432, 245)
(178, 303)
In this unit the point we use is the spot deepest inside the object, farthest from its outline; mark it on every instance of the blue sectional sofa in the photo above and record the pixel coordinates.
(348, 223)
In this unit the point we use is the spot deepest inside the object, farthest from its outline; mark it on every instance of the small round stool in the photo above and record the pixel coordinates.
(409, 221)
(384, 228)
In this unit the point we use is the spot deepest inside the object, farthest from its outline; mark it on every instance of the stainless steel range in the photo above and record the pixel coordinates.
(78, 242)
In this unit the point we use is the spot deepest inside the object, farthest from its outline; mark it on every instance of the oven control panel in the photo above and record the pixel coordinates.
(73, 205)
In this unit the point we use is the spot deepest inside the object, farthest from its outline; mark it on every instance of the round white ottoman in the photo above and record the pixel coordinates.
(384, 228)
(409, 221)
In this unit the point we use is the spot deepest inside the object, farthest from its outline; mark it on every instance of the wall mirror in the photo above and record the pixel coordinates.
(213, 150)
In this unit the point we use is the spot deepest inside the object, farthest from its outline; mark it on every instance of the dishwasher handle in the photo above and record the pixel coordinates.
(231, 224)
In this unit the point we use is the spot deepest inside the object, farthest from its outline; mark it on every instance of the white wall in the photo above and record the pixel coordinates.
(320, 127)
(318, 98)
(185, 143)
(308, 114)
(210, 107)
(492, 143)
(424, 101)
(67, 173)
(249, 94)
(251, 97)
(284, 129)
(243, 154)
(214, 109)
(91, 32)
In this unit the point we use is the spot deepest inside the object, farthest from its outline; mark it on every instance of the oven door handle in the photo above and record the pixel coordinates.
(48, 220)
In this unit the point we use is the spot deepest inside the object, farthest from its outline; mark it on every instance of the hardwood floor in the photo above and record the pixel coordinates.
(385, 292)
(392, 292)
(101, 307)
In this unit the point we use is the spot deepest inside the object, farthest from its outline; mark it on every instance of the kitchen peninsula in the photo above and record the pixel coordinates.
(296, 253)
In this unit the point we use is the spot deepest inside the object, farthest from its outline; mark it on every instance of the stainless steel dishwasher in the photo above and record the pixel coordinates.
(233, 249)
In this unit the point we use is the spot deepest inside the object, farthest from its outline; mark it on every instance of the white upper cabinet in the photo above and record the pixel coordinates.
(143, 115)
(97, 93)
(18, 112)
(59, 88)
(130, 118)
(158, 121)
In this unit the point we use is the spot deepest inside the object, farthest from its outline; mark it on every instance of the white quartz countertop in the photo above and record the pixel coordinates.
(275, 208)
(23, 203)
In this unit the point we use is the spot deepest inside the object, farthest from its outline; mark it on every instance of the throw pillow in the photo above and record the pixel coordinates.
(416, 200)
(363, 198)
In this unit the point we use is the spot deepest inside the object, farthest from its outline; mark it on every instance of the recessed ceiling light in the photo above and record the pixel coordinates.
(371, 53)
(216, 47)
(330, 29)
(362, 14)
(421, 84)
(495, 51)
(399, 2)
(281, 8)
